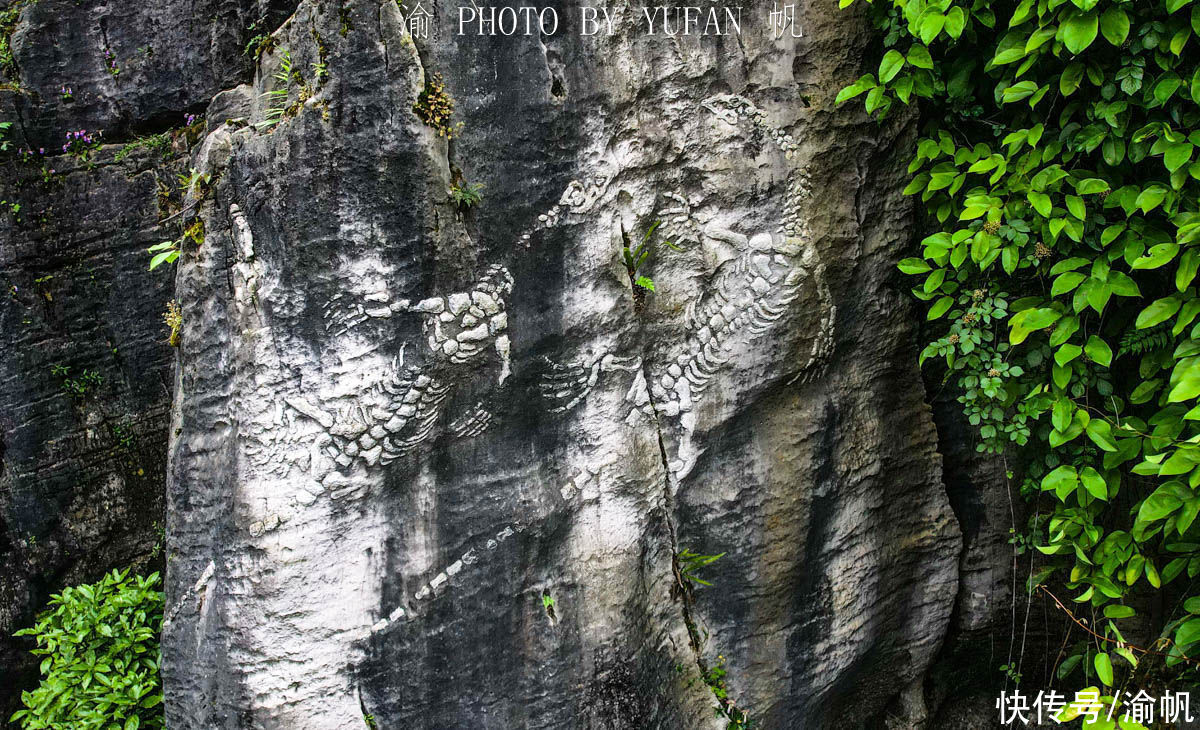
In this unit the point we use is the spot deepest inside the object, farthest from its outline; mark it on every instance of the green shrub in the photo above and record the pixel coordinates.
(99, 645)
(1058, 171)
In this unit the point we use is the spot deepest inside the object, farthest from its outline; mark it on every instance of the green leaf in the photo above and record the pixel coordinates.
(1116, 611)
(1062, 480)
(1188, 264)
(890, 66)
(164, 257)
(939, 308)
(1079, 31)
(914, 266)
(1157, 256)
(1104, 669)
(1187, 389)
(1114, 24)
(1099, 351)
(876, 100)
(865, 83)
(934, 281)
(1166, 88)
(1158, 506)
(1066, 283)
(931, 25)
(956, 21)
(919, 56)
(1023, 323)
(1100, 432)
(1177, 155)
(1040, 202)
(1071, 76)
(1067, 353)
(1062, 413)
(1143, 393)
(1150, 198)
(1157, 312)
(1091, 185)
(1076, 207)
(1019, 91)
(1024, 11)
(1094, 483)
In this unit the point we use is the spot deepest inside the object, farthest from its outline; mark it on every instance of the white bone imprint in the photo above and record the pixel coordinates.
(748, 296)
(438, 584)
(572, 381)
(473, 423)
(403, 409)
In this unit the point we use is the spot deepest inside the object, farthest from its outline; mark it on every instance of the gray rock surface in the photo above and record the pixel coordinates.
(131, 68)
(85, 387)
(85, 371)
(403, 427)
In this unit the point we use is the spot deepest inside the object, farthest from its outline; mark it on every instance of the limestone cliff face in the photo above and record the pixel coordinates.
(85, 371)
(433, 463)
(84, 391)
(405, 427)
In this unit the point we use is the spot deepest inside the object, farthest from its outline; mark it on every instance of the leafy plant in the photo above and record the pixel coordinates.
(635, 256)
(466, 195)
(155, 142)
(548, 606)
(173, 318)
(164, 253)
(690, 562)
(259, 44)
(434, 107)
(79, 387)
(14, 208)
(714, 676)
(8, 23)
(168, 252)
(110, 63)
(82, 144)
(1058, 170)
(278, 107)
(194, 179)
(100, 657)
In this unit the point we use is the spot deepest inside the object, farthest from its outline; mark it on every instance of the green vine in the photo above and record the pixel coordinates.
(1058, 173)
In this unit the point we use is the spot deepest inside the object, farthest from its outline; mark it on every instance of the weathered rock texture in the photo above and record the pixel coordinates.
(85, 389)
(85, 371)
(403, 427)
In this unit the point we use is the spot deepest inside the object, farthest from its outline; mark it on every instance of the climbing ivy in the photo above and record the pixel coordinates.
(1057, 167)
